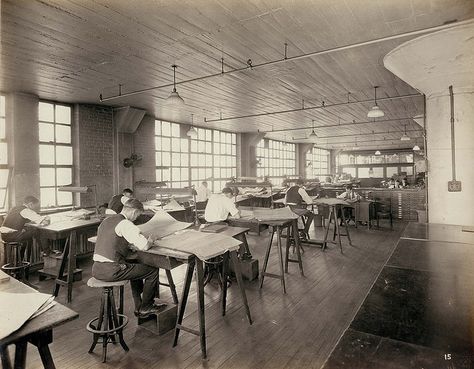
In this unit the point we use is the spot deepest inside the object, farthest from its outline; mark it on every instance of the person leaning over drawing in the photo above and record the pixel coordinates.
(221, 206)
(116, 237)
(16, 219)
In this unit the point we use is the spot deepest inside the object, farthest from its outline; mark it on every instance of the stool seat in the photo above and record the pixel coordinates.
(97, 283)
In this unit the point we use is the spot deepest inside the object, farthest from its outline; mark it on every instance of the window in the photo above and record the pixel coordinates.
(3, 158)
(317, 164)
(181, 162)
(55, 154)
(275, 160)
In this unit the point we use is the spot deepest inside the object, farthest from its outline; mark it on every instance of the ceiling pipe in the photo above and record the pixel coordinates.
(361, 134)
(304, 108)
(293, 58)
(338, 125)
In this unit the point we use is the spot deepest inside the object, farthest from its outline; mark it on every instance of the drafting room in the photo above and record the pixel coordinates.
(237, 184)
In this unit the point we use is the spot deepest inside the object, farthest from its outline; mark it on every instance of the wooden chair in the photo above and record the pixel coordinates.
(110, 322)
(383, 211)
(15, 266)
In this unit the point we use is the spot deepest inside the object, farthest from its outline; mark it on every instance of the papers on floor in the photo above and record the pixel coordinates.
(203, 245)
(17, 308)
(161, 225)
(274, 214)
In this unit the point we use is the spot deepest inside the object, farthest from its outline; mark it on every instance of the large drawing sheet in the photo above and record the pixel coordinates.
(17, 308)
(265, 214)
(203, 245)
(173, 205)
(161, 225)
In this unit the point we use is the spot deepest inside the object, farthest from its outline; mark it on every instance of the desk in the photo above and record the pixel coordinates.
(437, 232)
(167, 257)
(69, 230)
(37, 331)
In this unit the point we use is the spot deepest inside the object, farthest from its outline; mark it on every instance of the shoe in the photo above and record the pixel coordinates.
(145, 311)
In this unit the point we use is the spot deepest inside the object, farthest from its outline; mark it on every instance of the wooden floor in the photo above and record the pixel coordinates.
(297, 330)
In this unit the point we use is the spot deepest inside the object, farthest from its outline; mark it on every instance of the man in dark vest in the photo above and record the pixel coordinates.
(16, 219)
(117, 202)
(297, 198)
(116, 237)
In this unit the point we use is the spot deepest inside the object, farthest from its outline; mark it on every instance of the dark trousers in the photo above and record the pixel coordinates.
(26, 236)
(143, 279)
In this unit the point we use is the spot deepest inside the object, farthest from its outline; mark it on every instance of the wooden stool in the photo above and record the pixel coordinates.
(112, 322)
(15, 267)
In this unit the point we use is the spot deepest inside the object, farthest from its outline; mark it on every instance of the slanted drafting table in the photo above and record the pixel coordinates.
(193, 247)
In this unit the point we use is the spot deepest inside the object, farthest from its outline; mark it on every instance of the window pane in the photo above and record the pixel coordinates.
(175, 130)
(2, 128)
(165, 129)
(3, 153)
(157, 128)
(46, 112)
(47, 177)
(391, 171)
(46, 132)
(64, 198)
(3, 178)
(63, 114)
(64, 155)
(2, 106)
(46, 154)
(63, 134)
(63, 176)
(48, 197)
(2, 198)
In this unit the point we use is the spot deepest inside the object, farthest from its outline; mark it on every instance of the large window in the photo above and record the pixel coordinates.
(275, 160)
(3, 158)
(317, 163)
(55, 154)
(211, 156)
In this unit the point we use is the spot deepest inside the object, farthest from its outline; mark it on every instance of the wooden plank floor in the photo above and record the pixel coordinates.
(297, 330)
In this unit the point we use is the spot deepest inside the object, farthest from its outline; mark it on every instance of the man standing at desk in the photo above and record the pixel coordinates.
(203, 192)
(117, 202)
(220, 206)
(297, 198)
(114, 237)
(18, 217)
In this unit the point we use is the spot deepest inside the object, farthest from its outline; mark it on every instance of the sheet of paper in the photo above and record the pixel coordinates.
(203, 245)
(173, 205)
(247, 214)
(17, 308)
(161, 225)
(265, 214)
(4, 229)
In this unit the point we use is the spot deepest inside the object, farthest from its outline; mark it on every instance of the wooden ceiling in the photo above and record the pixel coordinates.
(74, 50)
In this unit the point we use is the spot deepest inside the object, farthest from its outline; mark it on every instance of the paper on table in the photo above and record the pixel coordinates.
(162, 224)
(247, 214)
(17, 308)
(4, 229)
(173, 205)
(203, 245)
(274, 214)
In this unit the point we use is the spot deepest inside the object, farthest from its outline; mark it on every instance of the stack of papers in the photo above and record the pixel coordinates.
(18, 308)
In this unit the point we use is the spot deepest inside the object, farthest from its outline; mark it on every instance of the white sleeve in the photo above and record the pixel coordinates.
(342, 196)
(307, 199)
(31, 215)
(131, 233)
(124, 200)
(231, 207)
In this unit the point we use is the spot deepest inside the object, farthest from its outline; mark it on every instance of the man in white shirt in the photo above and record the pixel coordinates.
(116, 237)
(220, 207)
(203, 192)
(16, 219)
(297, 198)
(117, 202)
(351, 197)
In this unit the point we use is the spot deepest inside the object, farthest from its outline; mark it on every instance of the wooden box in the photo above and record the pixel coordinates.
(162, 322)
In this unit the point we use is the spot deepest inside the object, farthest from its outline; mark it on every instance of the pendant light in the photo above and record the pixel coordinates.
(174, 100)
(378, 153)
(313, 136)
(405, 137)
(375, 111)
(192, 133)
(416, 147)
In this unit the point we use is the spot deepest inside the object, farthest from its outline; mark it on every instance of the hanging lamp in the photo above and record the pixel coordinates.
(174, 99)
(405, 137)
(313, 136)
(192, 133)
(375, 111)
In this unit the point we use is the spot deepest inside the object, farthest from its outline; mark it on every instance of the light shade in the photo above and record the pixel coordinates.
(174, 100)
(375, 112)
(192, 132)
(313, 135)
(416, 148)
(378, 152)
(404, 137)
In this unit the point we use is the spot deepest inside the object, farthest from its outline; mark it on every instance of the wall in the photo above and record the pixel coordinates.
(93, 145)
(144, 145)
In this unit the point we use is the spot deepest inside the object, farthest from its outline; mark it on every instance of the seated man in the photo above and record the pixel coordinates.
(114, 236)
(351, 197)
(117, 202)
(220, 206)
(297, 198)
(16, 219)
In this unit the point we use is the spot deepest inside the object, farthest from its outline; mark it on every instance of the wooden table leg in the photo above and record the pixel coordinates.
(238, 274)
(225, 272)
(267, 255)
(280, 256)
(6, 362)
(62, 268)
(200, 303)
(184, 299)
(347, 228)
(287, 248)
(172, 285)
(20, 354)
(298, 246)
(337, 230)
(46, 357)
(325, 241)
(71, 264)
